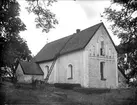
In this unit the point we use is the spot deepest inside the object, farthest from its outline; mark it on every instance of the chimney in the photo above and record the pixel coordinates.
(77, 30)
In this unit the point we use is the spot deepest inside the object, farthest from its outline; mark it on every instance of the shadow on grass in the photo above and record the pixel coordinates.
(91, 90)
(2, 98)
(129, 102)
(132, 101)
(76, 103)
(2, 95)
(21, 97)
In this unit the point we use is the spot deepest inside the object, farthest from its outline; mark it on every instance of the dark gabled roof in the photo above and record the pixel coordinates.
(81, 39)
(74, 42)
(50, 50)
(30, 68)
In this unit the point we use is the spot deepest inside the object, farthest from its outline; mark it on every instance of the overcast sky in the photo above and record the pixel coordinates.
(71, 15)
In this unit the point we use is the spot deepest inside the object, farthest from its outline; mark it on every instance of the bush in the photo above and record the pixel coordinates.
(133, 84)
(135, 99)
(66, 85)
(23, 86)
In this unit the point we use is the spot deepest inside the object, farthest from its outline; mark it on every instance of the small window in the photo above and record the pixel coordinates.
(97, 49)
(119, 79)
(106, 50)
(102, 49)
(47, 69)
(70, 72)
(113, 55)
(102, 66)
(93, 50)
(110, 52)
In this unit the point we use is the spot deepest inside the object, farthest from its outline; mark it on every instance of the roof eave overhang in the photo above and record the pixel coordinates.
(42, 61)
(32, 74)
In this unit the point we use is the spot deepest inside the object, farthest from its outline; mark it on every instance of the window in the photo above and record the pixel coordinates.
(102, 50)
(109, 52)
(93, 50)
(97, 49)
(113, 55)
(106, 52)
(119, 78)
(47, 69)
(102, 66)
(70, 72)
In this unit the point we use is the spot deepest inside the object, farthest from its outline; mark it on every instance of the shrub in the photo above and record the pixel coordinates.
(134, 102)
(66, 85)
(133, 84)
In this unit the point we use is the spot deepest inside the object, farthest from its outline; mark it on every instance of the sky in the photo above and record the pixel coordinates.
(70, 14)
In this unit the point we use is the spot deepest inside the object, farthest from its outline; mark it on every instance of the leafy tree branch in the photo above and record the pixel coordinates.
(45, 18)
(125, 27)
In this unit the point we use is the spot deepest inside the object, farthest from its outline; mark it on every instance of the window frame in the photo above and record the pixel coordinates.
(47, 68)
(94, 50)
(110, 52)
(102, 48)
(70, 70)
(102, 66)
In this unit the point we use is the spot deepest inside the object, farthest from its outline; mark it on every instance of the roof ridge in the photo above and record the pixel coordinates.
(92, 26)
(53, 42)
(66, 44)
(77, 34)
(94, 32)
(72, 34)
(59, 39)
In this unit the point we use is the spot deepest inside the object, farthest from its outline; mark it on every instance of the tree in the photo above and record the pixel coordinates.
(124, 25)
(12, 46)
(45, 18)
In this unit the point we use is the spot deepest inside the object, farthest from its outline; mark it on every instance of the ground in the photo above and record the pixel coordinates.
(49, 95)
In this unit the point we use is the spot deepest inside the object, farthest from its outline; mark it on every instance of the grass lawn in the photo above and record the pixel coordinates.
(49, 95)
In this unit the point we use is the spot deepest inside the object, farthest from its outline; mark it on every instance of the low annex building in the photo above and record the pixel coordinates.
(88, 58)
(26, 72)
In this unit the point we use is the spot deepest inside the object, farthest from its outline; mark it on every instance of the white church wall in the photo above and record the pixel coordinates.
(76, 60)
(86, 64)
(94, 59)
(43, 66)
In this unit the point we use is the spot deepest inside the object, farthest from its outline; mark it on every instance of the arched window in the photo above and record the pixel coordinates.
(47, 69)
(102, 48)
(70, 72)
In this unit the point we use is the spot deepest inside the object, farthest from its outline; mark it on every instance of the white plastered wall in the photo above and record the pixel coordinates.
(86, 66)
(59, 73)
(94, 59)
(76, 60)
(52, 78)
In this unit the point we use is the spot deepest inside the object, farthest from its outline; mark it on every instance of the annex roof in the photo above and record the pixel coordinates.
(30, 68)
(71, 43)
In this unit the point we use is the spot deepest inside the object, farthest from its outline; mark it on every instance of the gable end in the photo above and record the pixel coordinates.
(110, 38)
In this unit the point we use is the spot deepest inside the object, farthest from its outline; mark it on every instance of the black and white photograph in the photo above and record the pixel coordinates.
(68, 52)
